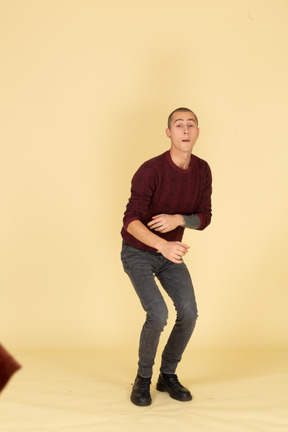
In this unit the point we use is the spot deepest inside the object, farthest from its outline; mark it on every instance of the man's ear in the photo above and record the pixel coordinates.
(168, 133)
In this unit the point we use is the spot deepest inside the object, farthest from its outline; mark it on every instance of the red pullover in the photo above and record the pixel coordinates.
(160, 186)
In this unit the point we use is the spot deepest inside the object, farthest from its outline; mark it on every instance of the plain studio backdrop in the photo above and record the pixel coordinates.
(86, 89)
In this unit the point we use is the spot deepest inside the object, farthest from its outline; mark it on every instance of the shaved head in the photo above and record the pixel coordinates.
(180, 110)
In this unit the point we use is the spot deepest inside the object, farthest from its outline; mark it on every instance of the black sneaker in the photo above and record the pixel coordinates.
(169, 383)
(141, 391)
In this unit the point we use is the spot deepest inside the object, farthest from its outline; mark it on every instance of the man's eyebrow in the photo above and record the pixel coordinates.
(187, 120)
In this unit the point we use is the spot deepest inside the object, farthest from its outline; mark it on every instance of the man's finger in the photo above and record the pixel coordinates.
(156, 224)
(184, 245)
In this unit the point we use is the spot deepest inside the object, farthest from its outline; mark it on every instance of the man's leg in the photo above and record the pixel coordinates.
(176, 281)
(139, 265)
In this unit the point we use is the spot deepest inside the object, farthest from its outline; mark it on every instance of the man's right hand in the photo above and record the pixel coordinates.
(173, 251)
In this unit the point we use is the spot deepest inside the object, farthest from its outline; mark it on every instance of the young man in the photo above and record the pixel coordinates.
(169, 192)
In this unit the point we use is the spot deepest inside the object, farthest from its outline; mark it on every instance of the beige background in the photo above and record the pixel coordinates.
(86, 88)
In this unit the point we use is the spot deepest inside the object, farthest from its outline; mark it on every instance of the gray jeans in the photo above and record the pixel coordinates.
(142, 267)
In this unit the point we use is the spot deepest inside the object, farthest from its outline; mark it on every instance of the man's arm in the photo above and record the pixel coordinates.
(203, 210)
(165, 222)
(173, 251)
(200, 218)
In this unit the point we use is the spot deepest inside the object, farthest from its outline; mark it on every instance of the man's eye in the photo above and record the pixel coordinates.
(191, 126)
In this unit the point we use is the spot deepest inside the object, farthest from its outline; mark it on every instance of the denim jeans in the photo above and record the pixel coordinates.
(142, 267)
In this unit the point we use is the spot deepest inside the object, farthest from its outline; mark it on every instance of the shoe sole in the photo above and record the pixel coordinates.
(141, 403)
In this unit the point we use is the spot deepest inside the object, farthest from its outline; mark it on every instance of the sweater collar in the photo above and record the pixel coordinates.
(184, 171)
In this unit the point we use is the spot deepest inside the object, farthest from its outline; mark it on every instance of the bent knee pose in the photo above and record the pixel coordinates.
(169, 193)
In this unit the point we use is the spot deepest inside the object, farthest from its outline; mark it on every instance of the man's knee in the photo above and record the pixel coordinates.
(157, 318)
(188, 314)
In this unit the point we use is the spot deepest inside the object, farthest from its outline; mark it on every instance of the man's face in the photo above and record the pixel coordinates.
(183, 131)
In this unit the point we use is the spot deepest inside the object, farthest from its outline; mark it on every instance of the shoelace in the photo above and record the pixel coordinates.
(145, 383)
(173, 379)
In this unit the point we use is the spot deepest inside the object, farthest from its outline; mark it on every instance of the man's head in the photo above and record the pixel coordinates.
(180, 110)
(182, 130)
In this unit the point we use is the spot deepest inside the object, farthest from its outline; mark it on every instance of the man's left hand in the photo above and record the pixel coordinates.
(165, 222)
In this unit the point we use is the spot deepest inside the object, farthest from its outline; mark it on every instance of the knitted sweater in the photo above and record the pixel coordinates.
(160, 186)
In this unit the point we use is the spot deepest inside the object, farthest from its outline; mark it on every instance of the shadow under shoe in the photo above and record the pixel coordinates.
(170, 383)
(141, 391)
